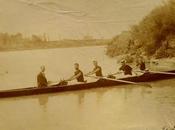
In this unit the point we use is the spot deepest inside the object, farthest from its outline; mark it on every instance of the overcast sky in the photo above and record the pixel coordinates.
(61, 19)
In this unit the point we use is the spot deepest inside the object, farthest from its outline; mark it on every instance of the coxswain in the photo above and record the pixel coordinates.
(41, 78)
(97, 70)
(78, 74)
(125, 68)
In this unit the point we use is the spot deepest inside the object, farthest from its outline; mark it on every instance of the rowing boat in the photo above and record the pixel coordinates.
(146, 77)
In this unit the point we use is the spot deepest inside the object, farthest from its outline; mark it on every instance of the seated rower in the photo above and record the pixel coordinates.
(41, 79)
(78, 74)
(141, 65)
(125, 68)
(97, 70)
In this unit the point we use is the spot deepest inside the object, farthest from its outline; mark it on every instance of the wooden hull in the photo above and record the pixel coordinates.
(147, 77)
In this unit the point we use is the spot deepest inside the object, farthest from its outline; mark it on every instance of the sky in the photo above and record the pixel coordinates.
(72, 19)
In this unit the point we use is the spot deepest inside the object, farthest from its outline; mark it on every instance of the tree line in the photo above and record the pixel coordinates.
(18, 41)
(154, 36)
(10, 41)
(6, 38)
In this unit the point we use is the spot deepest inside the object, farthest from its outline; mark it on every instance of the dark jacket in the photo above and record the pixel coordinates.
(126, 69)
(81, 77)
(142, 66)
(98, 73)
(41, 80)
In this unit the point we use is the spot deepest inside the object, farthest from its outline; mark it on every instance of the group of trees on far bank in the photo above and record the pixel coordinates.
(17, 41)
(154, 36)
(9, 41)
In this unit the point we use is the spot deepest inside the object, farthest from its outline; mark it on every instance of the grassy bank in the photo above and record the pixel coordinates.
(153, 37)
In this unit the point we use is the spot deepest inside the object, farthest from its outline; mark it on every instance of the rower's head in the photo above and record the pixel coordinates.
(42, 68)
(95, 63)
(76, 66)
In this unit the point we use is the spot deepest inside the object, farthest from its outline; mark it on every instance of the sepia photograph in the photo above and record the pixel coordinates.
(87, 64)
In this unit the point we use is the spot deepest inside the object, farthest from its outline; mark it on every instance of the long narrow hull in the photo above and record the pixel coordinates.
(147, 77)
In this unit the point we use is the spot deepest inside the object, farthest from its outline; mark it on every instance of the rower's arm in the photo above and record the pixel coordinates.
(96, 70)
(93, 72)
(74, 77)
(89, 73)
(119, 72)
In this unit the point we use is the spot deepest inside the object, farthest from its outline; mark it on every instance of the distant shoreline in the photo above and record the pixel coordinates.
(27, 49)
(54, 44)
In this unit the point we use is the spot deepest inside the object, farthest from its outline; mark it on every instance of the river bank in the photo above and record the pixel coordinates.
(34, 45)
(163, 64)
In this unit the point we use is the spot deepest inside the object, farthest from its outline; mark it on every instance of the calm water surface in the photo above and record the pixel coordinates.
(116, 108)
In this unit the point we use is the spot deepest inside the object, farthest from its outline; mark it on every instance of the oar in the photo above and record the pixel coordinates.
(159, 72)
(53, 82)
(115, 73)
(123, 81)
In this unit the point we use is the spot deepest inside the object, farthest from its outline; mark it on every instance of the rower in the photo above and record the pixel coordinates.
(125, 68)
(78, 74)
(97, 70)
(141, 64)
(41, 79)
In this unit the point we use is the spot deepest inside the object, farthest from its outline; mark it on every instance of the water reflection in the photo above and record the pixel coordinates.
(127, 91)
(81, 97)
(97, 94)
(100, 93)
(145, 91)
(154, 108)
(43, 101)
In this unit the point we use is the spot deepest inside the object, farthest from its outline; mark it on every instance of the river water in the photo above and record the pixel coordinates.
(126, 107)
